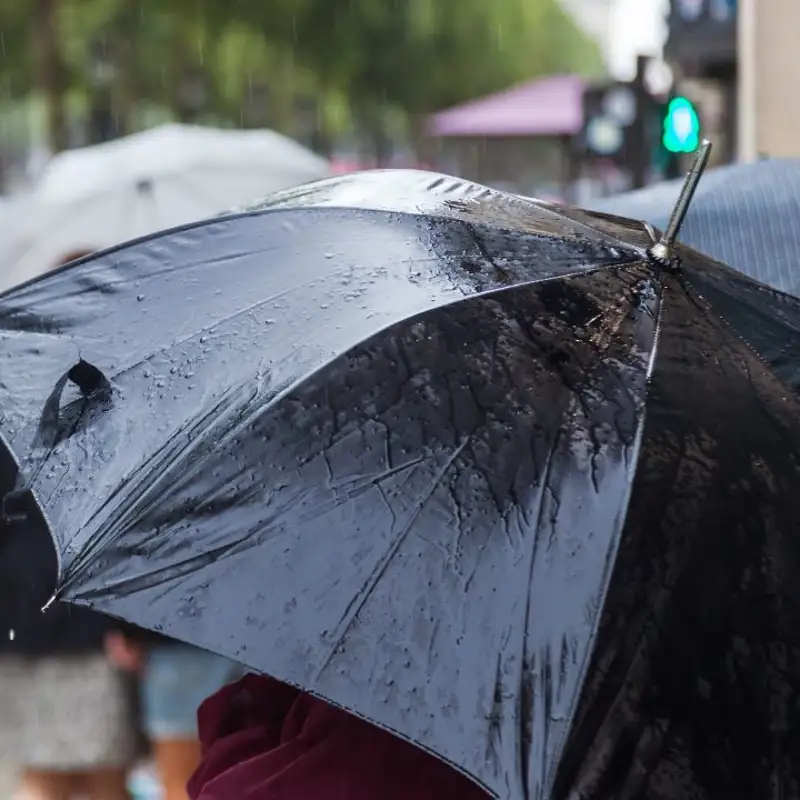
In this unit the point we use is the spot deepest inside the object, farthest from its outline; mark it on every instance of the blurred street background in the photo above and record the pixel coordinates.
(541, 96)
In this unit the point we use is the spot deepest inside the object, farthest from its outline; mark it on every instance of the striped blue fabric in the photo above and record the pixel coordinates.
(745, 215)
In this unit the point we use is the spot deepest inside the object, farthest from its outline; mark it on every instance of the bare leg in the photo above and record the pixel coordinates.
(105, 784)
(35, 784)
(176, 760)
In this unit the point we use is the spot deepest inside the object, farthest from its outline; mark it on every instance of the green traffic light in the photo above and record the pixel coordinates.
(681, 126)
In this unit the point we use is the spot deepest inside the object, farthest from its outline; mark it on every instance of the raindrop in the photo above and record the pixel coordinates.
(140, 297)
(12, 634)
(328, 255)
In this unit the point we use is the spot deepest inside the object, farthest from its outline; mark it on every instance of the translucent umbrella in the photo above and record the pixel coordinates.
(98, 196)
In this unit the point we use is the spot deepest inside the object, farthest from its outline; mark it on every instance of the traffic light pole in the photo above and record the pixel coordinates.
(672, 161)
(640, 153)
(672, 169)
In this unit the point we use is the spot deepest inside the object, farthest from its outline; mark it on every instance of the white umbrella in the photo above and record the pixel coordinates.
(95, 197)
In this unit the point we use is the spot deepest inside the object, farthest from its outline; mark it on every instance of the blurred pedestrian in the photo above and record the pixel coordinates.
(67, 719)
(263, 739)
(175, 680)
(65, 715)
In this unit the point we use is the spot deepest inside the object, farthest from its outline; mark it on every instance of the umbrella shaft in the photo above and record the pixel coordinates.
(686, 195)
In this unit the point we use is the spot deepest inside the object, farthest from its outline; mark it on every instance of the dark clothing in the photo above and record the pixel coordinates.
(25, 541)
(61, 630)
(263, 740)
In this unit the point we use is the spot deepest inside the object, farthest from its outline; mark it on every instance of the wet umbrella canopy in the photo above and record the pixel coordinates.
(470, 466)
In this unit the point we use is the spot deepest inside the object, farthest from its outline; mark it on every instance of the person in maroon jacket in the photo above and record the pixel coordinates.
(263, 740)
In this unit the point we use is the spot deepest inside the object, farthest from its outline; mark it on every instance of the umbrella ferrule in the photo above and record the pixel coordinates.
(661, 252)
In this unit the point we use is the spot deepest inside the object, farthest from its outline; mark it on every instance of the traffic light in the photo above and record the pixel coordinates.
(621, 125)
(642, 134)
(609, 110)
(681, 126)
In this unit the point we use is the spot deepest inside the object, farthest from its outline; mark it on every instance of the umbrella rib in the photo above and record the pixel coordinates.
(357, 603)
(633, 463)
(524, 751)
(562, 216)
(651, 232)
(166, 458)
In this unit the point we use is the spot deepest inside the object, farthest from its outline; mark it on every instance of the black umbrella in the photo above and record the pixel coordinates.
(476, 468)
(745, 215)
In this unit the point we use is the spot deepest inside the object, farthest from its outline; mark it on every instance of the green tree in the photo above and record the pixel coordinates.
(369, 62)
(419, 56)
(31, 57)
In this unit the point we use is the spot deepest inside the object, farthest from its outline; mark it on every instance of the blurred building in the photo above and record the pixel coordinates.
(519, 138)
(738, 60)
(701, 47)
(769, 75)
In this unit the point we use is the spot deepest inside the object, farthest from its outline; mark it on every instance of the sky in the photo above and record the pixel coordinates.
(635, 26)
(623, 28)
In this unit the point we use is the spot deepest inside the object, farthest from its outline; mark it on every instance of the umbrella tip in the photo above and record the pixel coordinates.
(661, 252)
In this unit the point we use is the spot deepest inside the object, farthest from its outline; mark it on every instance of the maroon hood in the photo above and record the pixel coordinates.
(263, 740)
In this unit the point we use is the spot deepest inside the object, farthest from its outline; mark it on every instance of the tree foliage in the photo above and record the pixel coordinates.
(371, 57)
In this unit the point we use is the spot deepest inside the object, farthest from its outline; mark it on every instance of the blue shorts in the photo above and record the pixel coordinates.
(176, 680)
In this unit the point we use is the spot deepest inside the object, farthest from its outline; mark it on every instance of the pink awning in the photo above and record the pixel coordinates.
(547, 107)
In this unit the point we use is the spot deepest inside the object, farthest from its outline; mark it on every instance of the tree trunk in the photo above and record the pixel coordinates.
(322, 140)
(51, 74)
(125, 90)
(421, 142)
(182, 75)
(373, 128)
(382, 145)
(282, 93)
